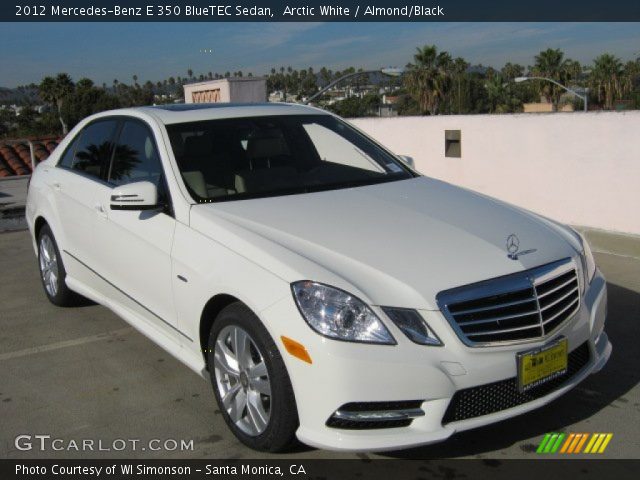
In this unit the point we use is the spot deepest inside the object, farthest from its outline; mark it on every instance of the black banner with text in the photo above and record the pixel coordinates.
(364, 469)
(315, 11)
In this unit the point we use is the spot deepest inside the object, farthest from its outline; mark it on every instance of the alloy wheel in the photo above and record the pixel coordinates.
(242, 380)
(49, 265)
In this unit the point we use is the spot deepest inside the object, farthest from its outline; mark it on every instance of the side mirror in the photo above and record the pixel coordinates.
(135, 196)
(408, 160)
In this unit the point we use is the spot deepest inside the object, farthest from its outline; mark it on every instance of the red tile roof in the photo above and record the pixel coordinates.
(15, 158)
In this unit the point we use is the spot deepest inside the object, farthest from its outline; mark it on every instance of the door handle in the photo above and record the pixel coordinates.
(100, 210)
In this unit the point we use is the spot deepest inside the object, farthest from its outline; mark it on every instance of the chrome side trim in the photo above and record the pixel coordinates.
(128, 296)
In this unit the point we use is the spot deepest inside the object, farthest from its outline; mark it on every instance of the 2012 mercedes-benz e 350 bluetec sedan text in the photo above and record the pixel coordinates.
(328, 291)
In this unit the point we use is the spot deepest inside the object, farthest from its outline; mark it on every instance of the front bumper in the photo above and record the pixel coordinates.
(343, 373)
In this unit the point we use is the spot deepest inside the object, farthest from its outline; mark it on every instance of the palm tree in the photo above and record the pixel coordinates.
(325, 76)
(500, 95)
(55, 91)
(573, 70)
(496, 92)
(551, 63)
(190, 73)
(631, 76)
(607, 78)
(429, 78)
(512, 70)
(460, 67)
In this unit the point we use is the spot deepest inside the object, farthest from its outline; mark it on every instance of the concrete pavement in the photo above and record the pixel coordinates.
(82, 373)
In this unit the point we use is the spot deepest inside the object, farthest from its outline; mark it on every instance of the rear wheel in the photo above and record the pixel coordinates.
(250, 381)
(52, 271)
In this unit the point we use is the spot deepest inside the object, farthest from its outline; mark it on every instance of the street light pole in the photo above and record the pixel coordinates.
(391, 71)
(584, 97)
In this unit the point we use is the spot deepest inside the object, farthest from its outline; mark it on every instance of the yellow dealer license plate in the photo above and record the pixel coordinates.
(539, 366)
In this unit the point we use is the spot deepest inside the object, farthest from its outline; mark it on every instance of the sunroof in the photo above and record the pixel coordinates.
(185, 107)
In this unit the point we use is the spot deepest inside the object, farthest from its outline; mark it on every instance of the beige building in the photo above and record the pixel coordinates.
(227, 90)
(544, 107)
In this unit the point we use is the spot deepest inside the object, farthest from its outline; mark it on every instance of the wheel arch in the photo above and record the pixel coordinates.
(37, 226)
(209, 314)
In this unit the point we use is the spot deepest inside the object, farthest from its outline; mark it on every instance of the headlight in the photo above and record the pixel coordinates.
(337, 314)
(588, 262)
(412, 325)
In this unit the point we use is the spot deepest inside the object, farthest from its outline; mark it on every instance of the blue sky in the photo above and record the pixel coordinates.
(104, 51)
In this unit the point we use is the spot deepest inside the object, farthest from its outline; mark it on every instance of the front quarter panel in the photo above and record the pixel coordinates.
(207, 268)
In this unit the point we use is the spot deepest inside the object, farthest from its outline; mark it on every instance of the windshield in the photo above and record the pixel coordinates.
(253, 157)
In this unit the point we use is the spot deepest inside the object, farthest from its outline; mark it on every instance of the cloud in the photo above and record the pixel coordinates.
(270, 35)
(340, 42)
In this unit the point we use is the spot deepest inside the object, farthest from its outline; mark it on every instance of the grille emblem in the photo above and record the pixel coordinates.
(513, 247)
(513, 244)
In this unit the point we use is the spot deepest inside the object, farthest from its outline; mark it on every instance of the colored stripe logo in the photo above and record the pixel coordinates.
(574, 443)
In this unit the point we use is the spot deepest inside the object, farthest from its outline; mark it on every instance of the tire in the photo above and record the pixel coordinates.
(52, 271)
(259, 405)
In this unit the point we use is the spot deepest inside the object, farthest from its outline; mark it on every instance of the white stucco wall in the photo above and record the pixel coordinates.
(578, 168)
(248, 91)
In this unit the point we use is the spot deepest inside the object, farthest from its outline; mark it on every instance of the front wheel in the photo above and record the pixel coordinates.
(250, 381)
(52, 271)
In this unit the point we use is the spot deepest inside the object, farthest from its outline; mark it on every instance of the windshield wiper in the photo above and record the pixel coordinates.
(262, 194)
(307, 189)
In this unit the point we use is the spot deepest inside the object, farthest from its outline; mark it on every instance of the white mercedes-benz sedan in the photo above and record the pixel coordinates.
(327, 290)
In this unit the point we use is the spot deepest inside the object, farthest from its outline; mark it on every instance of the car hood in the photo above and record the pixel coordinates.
(395, 244)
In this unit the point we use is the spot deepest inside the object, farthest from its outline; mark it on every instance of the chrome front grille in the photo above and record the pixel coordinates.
(520, 307)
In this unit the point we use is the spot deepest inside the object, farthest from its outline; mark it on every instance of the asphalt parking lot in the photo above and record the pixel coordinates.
(83, 373)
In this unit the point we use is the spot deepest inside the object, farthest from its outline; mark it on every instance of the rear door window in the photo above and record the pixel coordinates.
(94, 148)
(69, 154)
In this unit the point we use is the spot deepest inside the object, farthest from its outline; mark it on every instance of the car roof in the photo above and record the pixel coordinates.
(193, 112)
